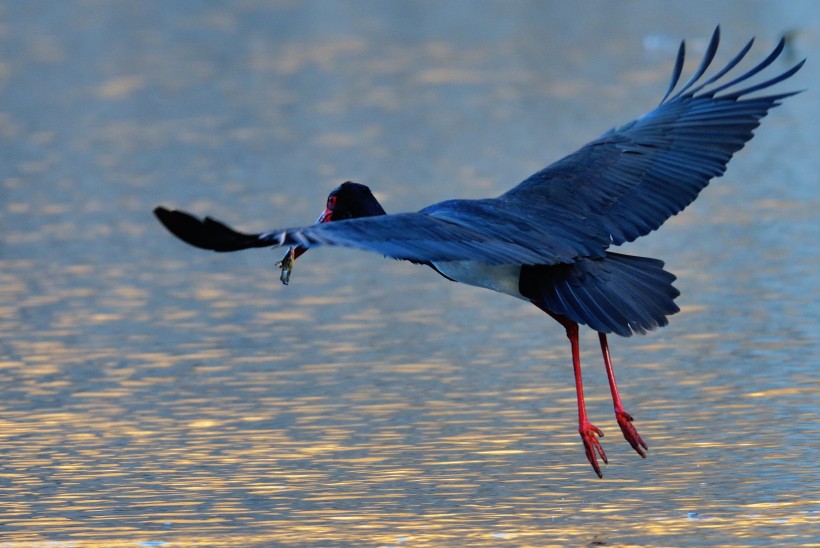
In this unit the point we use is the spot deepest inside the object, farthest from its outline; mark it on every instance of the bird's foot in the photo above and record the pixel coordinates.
(286, 266)
(630, 434)
(592, 446)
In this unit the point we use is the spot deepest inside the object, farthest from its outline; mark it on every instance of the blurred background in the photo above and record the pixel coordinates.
(158, 395)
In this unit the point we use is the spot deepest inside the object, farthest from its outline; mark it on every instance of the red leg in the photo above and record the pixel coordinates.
(588, 431)
(624, 418)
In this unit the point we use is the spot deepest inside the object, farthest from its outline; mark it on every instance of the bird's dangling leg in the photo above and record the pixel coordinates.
(624, 419)
(589, 432)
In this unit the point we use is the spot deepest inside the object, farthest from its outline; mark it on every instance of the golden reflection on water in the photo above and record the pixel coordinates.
(188, 465)
(133, 416)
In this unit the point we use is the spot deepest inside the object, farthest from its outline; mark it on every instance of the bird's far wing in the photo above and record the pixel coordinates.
(411, 236)
(634, 177)
(415, 237)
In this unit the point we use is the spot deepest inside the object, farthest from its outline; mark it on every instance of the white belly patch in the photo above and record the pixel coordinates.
(501, 278)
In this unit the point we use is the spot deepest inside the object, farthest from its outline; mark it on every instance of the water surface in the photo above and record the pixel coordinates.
(156, 395)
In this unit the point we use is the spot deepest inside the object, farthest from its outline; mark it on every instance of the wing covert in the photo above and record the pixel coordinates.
(417, 237)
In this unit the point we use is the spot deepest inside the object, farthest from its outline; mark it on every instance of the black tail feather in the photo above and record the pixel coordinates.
(206, 233)
(619, 294)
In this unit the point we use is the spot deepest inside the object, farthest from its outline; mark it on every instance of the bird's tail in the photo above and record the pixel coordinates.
(619, 294)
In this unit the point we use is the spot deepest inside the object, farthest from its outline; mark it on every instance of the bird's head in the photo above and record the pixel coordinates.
(347, 201)
(350, 201)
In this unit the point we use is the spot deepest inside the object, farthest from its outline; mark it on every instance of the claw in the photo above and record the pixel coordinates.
(630, 434)
(592, 446)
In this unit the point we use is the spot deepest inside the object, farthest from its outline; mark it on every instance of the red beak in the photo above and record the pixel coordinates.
(286, 264)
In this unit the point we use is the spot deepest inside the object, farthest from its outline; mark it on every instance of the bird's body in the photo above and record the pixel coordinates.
(547, 240)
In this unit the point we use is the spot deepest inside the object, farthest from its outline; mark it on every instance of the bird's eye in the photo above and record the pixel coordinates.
(331, 202)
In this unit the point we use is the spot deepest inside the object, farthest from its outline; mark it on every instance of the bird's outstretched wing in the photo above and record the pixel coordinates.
(621, 186)
(634, 177)
(417, 237)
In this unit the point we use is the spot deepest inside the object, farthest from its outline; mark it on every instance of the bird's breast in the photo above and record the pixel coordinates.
(501, 278)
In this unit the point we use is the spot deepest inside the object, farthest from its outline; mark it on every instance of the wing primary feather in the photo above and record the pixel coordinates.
(708, 57)
(676, 72)
(729, 66)
(207, 233)
(751, 72)
(768, 83)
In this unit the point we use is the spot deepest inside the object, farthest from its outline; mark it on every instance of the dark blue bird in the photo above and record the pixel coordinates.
(547, 240)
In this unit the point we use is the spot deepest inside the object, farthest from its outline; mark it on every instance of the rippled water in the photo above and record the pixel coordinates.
(156, 395)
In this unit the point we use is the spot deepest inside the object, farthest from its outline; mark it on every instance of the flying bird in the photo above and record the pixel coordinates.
(548, 240)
